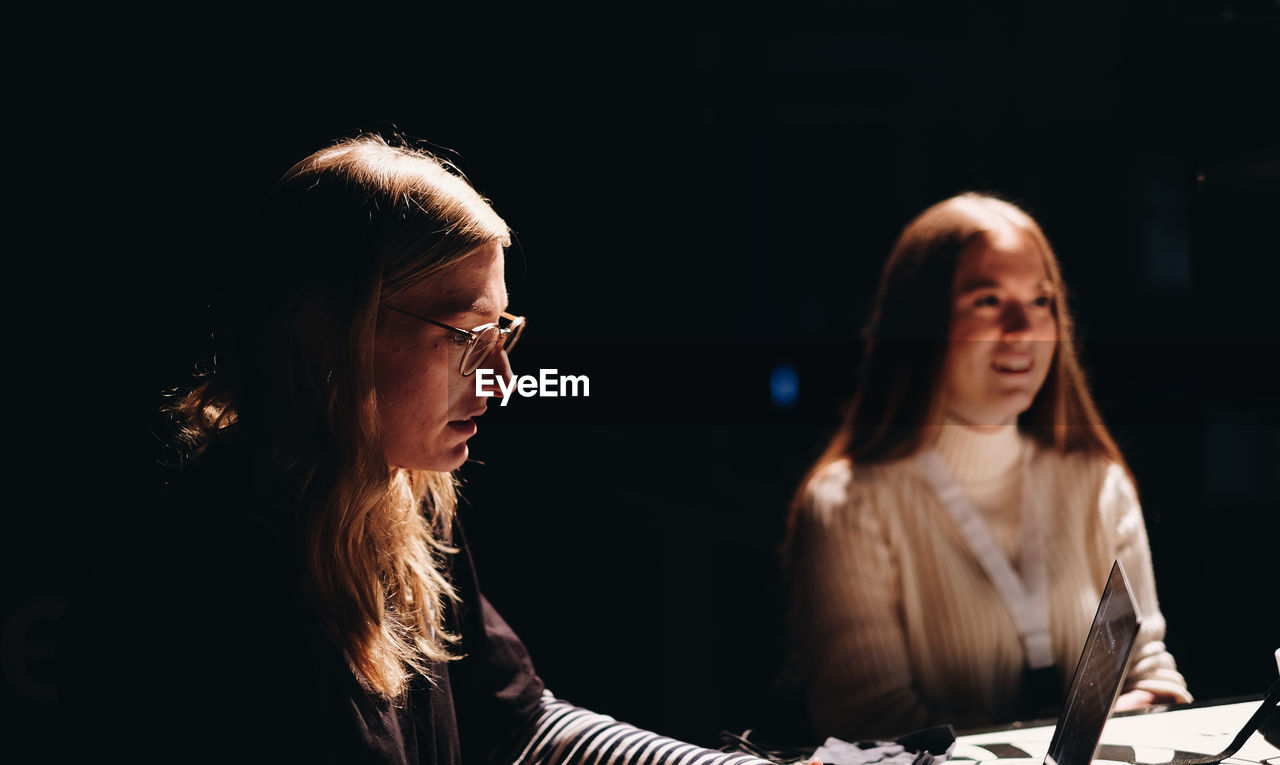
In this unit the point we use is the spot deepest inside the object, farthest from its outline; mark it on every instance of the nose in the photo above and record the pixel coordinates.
(501, 366)
(1014, 321)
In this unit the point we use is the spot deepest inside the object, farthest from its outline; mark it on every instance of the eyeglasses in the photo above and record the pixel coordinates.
(481, 341)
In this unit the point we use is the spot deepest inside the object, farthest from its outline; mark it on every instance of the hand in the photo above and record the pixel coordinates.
(1137, 699)
(1134, 699)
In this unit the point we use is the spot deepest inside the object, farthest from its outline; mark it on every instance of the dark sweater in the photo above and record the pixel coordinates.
(196, 645)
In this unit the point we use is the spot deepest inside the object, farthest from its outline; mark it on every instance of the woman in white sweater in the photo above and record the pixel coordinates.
(949, 549)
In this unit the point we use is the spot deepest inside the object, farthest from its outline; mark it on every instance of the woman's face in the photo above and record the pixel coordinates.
(1003, 330)
(426, 408)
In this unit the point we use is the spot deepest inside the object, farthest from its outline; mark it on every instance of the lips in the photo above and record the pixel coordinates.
(465, 427)
(1012, 365)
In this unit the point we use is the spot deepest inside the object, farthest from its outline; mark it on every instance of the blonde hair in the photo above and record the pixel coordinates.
(900, 381)
(346, 228)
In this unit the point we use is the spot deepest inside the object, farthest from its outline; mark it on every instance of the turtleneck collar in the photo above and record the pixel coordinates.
(979, 456)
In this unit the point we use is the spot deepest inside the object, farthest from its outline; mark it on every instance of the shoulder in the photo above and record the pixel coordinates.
(844, 490)
(1097, 482)
(828, 488)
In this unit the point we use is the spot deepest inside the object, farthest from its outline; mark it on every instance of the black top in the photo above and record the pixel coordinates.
(195, 644)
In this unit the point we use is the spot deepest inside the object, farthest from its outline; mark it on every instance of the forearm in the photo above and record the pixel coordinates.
(565, 734)
(1152, 667)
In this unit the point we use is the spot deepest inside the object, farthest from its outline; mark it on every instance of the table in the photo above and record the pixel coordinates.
(1153, 736)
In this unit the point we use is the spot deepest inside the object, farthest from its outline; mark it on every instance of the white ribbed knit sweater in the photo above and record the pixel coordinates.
(895, 625)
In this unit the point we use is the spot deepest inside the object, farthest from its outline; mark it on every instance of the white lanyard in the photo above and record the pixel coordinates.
(1026, 597)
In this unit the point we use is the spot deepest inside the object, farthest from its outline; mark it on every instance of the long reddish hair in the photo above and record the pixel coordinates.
(898, 397)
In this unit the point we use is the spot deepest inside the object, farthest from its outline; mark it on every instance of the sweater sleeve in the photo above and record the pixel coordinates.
(1152, 668)
(565, 735)
(505, 713)
(846, 596)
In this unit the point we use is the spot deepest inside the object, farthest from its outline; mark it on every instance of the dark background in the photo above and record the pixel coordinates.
(698, 195)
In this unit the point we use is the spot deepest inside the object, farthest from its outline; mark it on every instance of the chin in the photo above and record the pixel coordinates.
(454, 460)
(436, 463)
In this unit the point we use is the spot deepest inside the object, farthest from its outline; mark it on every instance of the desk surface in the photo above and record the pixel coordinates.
(1153, 736)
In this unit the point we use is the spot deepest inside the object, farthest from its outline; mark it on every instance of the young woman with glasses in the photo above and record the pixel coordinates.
(948, 550)
(309, 596)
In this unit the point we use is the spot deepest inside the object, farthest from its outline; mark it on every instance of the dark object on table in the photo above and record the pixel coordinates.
(923, 747)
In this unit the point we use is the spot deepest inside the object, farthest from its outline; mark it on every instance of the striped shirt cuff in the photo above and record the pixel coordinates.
(567, 735)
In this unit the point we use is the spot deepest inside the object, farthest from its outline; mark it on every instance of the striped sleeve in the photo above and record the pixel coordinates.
(567, 735)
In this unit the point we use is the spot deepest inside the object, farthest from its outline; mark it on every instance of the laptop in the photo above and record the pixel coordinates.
(1099, 674)
(1094, 687)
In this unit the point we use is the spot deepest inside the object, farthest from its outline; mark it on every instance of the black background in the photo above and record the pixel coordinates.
(698, 195)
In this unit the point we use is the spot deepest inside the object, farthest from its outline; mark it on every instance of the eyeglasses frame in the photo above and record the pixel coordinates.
(516, 326)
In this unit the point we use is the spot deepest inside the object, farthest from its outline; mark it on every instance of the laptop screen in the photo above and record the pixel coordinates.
(1098, 676)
